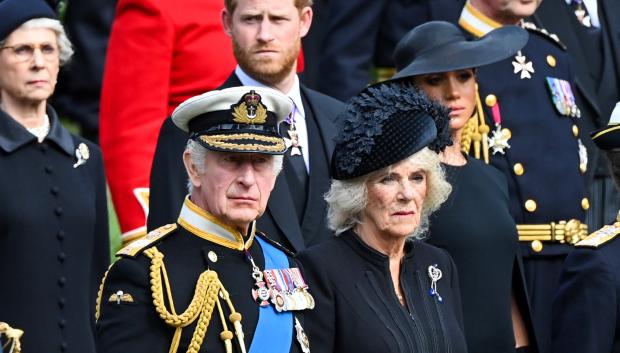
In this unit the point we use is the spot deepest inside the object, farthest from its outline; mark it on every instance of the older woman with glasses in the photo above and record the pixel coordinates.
(377, 287)
(53, 220)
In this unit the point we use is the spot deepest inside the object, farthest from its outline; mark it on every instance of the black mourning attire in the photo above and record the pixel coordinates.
(357, 309)
(475, 226)
(54, 245)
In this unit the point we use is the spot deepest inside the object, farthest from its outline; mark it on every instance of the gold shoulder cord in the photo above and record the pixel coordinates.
(476, 132)
(13, 335)
(100, 294)
(207, 294)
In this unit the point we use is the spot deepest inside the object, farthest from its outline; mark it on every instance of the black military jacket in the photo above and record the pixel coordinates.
(129, 318)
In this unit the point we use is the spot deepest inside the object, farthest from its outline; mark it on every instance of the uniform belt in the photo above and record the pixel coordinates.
(561, 232)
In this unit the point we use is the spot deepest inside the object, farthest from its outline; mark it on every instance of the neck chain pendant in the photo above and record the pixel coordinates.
(261, 293)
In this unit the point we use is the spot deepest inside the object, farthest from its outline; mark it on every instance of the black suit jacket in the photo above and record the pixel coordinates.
(280, 222)
(596, 96)
(362, 34)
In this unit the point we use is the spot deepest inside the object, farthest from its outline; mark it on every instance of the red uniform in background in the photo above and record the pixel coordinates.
(161, 52)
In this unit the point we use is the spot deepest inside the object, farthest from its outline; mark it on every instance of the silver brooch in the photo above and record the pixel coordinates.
(435, 275)
(82, 154)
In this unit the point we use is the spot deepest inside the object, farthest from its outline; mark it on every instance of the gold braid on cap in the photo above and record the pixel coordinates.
(476, 132)
(13, 335)
(207, 295)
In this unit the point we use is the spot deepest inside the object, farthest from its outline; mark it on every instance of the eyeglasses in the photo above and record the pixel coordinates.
(25, 52)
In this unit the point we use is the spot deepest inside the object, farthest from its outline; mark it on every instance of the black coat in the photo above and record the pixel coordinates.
(361, 35)
(54, 245)
(357, 309)
(586, 309)
(475, 226)
(169, 179)
(135, 326)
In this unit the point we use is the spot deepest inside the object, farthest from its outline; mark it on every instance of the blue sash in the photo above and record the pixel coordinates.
(274, 331)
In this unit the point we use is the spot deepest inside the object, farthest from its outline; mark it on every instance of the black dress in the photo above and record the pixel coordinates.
(54, 245)
(475, 226)
(357, 309)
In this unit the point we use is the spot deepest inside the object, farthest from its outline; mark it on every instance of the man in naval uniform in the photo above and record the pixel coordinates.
(532, 137)
(210, 282)
(586, 310)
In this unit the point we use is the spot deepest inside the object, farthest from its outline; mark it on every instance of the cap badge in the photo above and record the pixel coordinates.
(250, 109)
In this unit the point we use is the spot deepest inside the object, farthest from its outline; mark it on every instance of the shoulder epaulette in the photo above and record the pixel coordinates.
(135, 247)
(544, 33)
(278, 246)
(600, 237)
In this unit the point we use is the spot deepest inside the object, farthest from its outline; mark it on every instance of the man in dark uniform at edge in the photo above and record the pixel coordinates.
(586, 309)
(533, 139)
(591, 32)
(210, 282)
(266, 39)
(361, 35)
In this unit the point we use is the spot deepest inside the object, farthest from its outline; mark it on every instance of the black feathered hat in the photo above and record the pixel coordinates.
(13, 13)
(385, 124)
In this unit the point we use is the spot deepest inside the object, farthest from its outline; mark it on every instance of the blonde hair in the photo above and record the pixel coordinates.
(347, 199)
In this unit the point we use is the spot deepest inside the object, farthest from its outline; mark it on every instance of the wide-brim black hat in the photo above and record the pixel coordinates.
(608, 138)
(385, 124)
(439, 46)
(13, 13)
(237, 119)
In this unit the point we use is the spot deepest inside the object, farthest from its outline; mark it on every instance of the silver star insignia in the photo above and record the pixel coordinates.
(525, 68)
(498, 141)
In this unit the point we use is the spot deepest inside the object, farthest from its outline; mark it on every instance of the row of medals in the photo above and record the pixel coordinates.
(283, 297)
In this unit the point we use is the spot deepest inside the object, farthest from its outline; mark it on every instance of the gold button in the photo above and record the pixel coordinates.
(490, 100)
(212, 256)
(518, 168)
(585, 203)
(530, 205)
(506, 133)
(575, 131)
(583, 168)
(537, 246)
(551, 60)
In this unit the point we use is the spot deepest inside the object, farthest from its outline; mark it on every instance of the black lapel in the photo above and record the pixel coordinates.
(231, 81)
(321, 115)
(282, 209)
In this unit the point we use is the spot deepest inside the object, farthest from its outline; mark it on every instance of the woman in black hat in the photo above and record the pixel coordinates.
(377, 287)
(53, 219)
(475, 224)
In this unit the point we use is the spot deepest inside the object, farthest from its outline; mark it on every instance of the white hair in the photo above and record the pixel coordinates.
(65, 48)
(198, 154)
(347, 199)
